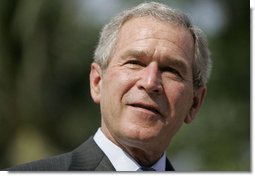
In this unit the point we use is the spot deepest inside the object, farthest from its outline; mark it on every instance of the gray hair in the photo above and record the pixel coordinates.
(108, 39)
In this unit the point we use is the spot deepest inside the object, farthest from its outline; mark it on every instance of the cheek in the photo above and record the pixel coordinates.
(118, 82)
(179, 101)
(180, 98)
(115, 85)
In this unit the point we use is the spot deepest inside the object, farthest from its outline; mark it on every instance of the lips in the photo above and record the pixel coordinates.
(151, 108)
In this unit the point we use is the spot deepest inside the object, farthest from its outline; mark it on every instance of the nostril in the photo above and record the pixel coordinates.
(150, 88)
(157, 89)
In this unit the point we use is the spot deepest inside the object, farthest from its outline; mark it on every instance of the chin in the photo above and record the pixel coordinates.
(141, 133)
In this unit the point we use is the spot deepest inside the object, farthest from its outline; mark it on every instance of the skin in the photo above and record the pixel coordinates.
(146, 92)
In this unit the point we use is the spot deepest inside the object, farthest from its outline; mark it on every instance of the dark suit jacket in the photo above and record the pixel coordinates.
(87, 157)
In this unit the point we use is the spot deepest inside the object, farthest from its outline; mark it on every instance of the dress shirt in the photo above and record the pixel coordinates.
(121, 160)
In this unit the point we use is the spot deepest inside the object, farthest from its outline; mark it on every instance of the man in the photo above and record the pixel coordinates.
(149, 76)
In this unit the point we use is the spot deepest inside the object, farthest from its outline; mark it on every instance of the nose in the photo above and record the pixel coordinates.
(150, 79)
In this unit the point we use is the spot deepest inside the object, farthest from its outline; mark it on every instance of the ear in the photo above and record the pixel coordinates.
(95, 82)
(198, 99)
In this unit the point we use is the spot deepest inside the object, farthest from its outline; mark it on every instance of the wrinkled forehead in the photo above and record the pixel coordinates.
(147, 27)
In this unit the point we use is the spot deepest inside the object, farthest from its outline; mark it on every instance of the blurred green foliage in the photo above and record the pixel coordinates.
(46, 47)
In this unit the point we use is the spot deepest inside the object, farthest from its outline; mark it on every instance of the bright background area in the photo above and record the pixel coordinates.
(46, 47)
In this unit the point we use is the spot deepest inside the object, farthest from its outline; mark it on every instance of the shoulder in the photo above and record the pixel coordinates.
(55, 163)
(87, 157)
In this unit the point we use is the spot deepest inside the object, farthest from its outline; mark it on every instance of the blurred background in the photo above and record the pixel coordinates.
(46, 47)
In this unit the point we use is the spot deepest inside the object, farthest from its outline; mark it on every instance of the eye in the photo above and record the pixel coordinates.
(171, 70)
(135, 62)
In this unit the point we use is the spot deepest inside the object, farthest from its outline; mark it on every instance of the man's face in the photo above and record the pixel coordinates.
(146, 92)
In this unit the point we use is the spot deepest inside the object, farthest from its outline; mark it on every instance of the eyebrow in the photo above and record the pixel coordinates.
(135, 53)
(169, 61)
(177, 63)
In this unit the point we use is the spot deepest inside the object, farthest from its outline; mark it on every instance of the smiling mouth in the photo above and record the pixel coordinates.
(147, 107)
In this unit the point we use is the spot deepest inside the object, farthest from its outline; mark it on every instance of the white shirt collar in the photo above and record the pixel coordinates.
(120, 159)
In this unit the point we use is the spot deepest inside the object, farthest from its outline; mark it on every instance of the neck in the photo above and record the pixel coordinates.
(142, 153)
(141, 156)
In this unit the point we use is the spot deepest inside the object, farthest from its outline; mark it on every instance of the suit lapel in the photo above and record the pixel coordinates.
(89, 157)
(105, 165)
(169, 166)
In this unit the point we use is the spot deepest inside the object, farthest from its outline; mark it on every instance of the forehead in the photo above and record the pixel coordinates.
(140, 29)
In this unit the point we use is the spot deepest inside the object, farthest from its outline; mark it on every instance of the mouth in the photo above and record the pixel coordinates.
(150, 108)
